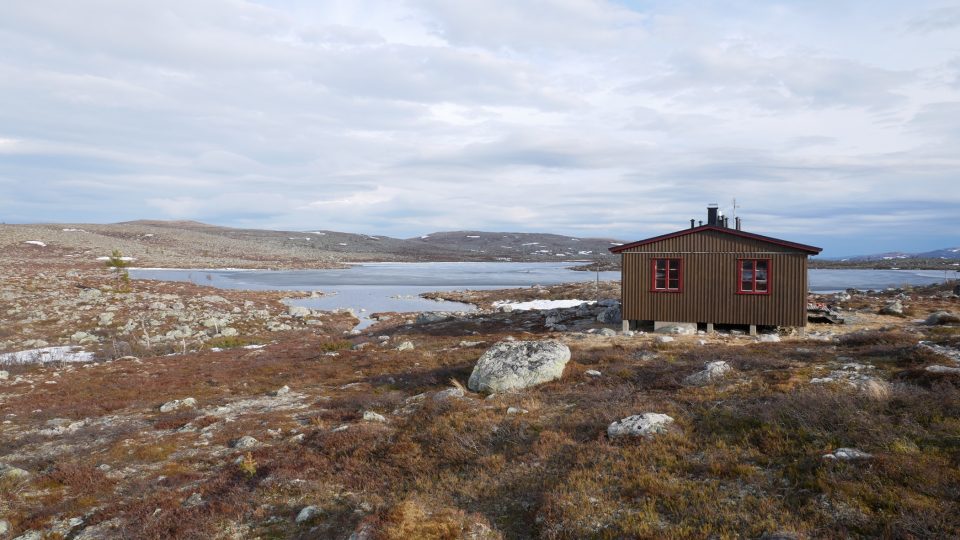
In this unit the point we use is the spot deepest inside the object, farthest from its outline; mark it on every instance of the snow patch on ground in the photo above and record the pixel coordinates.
(46, 355)
(541, 304)
(35, 243)
(121, 258)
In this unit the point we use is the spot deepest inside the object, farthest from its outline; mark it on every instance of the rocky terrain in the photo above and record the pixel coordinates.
(501, 423)
(186, 244)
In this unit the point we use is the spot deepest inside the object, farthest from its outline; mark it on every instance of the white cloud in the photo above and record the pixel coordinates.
(400, 118)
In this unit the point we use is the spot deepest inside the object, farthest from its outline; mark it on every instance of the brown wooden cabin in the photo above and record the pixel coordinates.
(713, 274)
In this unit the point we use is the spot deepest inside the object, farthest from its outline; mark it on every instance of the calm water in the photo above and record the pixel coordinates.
(370, 288)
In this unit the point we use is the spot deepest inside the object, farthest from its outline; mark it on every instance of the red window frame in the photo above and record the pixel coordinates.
(753, 276)
(668, 263)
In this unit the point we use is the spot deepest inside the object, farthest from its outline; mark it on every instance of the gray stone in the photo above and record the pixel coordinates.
(371, 416)
(847, 454)
(229, 332)
(4, 375)
(298, 312)
(30, 535)
(405, 346)
(467, 344)
(663, 339)
(106, 318)
(4, 527)
(428, 317)
(90, 294)
(245, 442)
(11, 473)
(514, 365)
(645, 425)
(170, 406)
(592, 373)
(307, 513)
(516, 410)
(282, 391)
(686, 329)
(193, 500)
(610, 315)
(769, 338)
(713, 371)
(449, 393)
(942, 369)
(607, 332)
(942, 317)
(892, 308)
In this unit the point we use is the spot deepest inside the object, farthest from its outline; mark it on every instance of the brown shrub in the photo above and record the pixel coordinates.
(412, 518)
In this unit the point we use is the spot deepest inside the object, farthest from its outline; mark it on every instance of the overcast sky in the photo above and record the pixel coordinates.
(832, 123)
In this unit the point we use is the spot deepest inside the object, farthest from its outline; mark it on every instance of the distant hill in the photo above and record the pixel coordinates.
(521, 246)
(199, 245)
(945, 253)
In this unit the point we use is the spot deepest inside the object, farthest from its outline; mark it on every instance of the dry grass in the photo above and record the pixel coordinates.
(744, 457)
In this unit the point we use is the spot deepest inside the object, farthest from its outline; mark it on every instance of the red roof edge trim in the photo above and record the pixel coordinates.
(813, 250)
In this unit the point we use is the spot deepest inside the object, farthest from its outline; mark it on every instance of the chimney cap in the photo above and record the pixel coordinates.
(713, 205)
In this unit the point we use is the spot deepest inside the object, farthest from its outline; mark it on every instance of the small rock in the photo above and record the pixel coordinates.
(592, 373)
(607, 332)
(428, 317)
(307, 513)
(170, 406)
(282, 391)
(712, 371)
(467, 344)
(11, 473)
(405, 346)
(769, 338)
(371, 416)
(663, 339)
(298, 312)
(229, 332)
(4, 527)
(893, 308)
(646, 425)
(193, 500)
(516, 410)
(449, 393)
(245, 442)
(942, 317)
(848, 454)
(4, 375)
(942, 369)
(106, 318)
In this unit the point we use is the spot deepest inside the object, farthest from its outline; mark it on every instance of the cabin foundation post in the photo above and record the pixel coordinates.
(753, 329)
(709, 327)
(626, 325)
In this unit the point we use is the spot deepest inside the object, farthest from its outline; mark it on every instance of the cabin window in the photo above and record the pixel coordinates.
(753, 276)
(667, 275)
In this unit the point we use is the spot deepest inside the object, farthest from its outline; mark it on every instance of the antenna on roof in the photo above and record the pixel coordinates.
(733, 208)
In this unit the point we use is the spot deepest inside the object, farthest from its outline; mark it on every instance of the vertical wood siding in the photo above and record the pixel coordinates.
(710, 282)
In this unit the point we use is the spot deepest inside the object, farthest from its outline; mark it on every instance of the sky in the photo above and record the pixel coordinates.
(835, 124)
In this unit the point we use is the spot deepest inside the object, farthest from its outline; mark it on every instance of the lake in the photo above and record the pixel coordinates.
(374, 287)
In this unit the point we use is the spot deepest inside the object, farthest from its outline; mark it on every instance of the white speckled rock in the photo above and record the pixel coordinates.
(371, 416)
(245, 442)
(639, 425)
(170, 406)
(515, 365)
(712, 372)
(308, 513)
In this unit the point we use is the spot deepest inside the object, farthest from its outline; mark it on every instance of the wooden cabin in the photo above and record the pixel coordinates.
(712, 274)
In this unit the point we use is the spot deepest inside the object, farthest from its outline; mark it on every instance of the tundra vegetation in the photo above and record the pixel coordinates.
(318, 432)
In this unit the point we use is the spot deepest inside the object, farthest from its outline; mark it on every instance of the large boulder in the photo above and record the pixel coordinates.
(428, 317)
(514, 365)
(610, 315)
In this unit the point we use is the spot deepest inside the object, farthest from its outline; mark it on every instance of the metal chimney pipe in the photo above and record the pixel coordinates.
(712, 214)
(701, 223)
(739, 223)
(691, 223)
